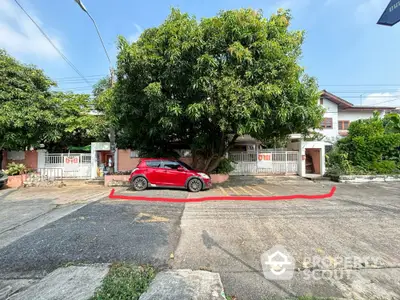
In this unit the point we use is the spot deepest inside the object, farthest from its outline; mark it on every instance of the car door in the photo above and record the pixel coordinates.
(171, 175)
(154, 172)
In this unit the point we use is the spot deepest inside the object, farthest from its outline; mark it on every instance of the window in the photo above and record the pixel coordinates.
(327, 123)
(134, 154)
(153, 163)
(185, 165)
(321, 101)
(171, 165)
(343, 125)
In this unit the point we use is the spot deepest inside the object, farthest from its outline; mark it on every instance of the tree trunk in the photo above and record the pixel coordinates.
(1, 159)
(212, 165)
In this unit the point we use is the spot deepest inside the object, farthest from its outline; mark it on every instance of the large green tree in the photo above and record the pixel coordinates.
(204, 83)
(31, 113)
(25, 105)
(78, 123)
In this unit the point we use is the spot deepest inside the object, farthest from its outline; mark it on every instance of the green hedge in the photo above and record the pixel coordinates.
(371, 147)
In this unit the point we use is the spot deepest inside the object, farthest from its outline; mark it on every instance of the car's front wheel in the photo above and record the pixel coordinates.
(195, 185)
(139, 183)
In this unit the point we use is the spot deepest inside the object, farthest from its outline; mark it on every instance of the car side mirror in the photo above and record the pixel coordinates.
(180, 169)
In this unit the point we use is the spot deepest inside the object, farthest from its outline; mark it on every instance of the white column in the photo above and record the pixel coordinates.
(116, 160)
(93, 161)
(41, 158)
(322, 160)
(302, 163)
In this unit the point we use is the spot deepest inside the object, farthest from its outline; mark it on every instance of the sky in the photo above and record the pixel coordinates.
(349, 54)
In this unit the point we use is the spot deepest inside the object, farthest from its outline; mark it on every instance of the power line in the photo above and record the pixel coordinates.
(360, 84)
(51, 42)
(78, 77)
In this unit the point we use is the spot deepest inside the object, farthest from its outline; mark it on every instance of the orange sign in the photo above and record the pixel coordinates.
(71, 160)
(264, 157)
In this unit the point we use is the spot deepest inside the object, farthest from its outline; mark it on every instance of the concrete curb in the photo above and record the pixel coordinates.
(368, 178)
(75, 282)
(185, 284)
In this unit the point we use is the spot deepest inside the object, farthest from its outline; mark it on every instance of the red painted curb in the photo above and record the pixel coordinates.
(229, 198)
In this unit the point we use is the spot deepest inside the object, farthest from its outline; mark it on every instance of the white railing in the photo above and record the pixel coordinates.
(281, 162)
(80, 169)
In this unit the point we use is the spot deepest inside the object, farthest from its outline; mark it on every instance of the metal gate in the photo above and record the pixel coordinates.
(264, 162)
(73, 165)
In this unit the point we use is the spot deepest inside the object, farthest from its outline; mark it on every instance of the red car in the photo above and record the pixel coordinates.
(162, 172)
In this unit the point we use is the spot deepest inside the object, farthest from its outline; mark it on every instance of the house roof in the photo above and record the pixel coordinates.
(335, 99)
(345, 105)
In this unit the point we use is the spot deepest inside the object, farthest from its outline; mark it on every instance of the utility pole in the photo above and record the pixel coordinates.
(111, 129)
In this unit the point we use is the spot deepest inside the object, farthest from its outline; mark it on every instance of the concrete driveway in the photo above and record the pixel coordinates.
(360, 223)
(44, 229)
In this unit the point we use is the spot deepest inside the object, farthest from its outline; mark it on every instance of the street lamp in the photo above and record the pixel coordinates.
(112, 130)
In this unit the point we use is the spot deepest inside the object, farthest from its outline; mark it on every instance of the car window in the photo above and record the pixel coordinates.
(171, 165)
(153, 163)
(185, 165)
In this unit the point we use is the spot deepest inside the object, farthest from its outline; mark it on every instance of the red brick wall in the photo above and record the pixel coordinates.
(126, 163)
(30, 161)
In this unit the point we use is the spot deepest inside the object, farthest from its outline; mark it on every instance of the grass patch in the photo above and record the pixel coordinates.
(125, 281)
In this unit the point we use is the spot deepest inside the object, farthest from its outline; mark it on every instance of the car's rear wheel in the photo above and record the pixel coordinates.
(139, 183)
(195, 185)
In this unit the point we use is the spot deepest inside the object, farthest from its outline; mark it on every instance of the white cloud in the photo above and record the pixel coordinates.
(370, 10)
(20, 37)
(382, 99)
(135, 36)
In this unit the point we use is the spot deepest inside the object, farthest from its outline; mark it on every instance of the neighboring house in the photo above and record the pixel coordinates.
(340, 113)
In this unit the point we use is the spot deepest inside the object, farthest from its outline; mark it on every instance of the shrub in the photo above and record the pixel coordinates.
(15, 169)
(225, 166)
(385, 167)
(368, 149)
(338, 163)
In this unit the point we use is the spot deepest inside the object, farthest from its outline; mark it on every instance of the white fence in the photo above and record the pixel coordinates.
(74, 165)
(265, 162)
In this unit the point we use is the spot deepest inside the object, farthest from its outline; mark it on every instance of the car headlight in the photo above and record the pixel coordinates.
(204, 175)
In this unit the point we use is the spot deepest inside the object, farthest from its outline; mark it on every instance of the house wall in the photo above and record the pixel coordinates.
(354, 115)
(331, 111)
(28, 158)
(125, 161)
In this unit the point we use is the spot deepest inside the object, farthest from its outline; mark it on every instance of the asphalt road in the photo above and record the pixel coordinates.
(105, 231)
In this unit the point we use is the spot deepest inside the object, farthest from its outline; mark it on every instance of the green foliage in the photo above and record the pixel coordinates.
(385, 167)
(77, 124)
(25, 104)
(391, 123)
(125, 281)
(204, 83)
(15, 169)
(31, 114)
(372, 147)
(225, 166)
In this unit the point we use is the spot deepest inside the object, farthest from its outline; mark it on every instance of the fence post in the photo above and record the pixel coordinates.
(286, 161)
(41, 158)
(256, 158)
